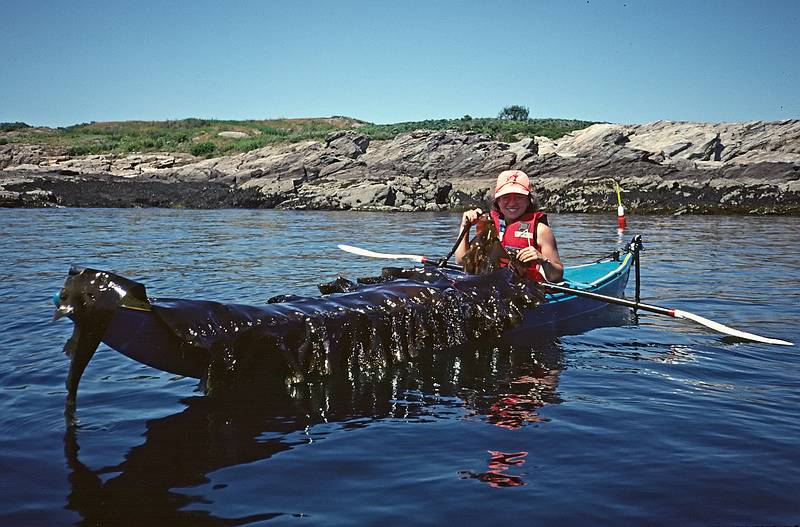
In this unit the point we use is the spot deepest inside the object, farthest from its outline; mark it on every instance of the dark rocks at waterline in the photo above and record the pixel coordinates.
(397, 193)
(662, 167)
(645, 191)
(588, 186)
(55, 190)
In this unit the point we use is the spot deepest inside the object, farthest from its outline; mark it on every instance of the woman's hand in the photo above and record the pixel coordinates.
(470, 217)
(547, 258)
(467, 220)
(530, 255)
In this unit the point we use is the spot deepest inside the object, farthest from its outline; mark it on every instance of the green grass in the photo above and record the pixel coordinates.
(200, 136)
(499, 129)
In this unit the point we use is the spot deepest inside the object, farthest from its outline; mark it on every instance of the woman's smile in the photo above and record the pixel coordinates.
(512, 205)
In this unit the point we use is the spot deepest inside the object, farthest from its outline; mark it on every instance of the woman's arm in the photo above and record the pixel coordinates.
(551, 264)
(467, 219)
(548, 257)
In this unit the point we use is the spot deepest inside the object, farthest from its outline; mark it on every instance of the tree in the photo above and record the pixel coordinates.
(514, 113)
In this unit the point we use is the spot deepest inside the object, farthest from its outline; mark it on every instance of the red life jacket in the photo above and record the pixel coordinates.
(519, 234)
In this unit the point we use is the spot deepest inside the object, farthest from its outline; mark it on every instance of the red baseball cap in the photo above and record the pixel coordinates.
(512, 182)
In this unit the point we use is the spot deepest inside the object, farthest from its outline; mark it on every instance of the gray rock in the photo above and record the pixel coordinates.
(14, 154)
(233, 135)
(662, 167)
(347, 143)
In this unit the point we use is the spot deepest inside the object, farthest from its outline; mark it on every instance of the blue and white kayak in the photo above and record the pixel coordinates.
(608, 277)
(368, 325)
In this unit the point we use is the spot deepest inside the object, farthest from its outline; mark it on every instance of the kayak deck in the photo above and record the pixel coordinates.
(608, 277)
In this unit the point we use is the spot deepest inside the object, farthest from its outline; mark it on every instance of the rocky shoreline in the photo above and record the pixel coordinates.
(663, 168)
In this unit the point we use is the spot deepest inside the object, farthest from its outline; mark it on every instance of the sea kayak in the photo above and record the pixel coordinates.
(365, 326)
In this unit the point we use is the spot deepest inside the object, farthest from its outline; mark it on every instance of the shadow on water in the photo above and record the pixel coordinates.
(504, 384)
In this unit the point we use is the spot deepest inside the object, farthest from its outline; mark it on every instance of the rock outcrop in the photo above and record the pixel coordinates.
(663, 167)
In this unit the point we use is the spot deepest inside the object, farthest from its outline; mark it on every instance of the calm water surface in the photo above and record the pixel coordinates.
(645, 422)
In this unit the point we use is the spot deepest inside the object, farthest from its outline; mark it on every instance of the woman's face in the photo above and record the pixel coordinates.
(513, 205)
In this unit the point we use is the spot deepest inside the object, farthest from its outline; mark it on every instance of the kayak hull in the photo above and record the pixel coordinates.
(142, 336)
(562, 310)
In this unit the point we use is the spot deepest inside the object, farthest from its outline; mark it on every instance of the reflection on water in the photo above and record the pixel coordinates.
(503, 385)
(512, 410)
(497, 474)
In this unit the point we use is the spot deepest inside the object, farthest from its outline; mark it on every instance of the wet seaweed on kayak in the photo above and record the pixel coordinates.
(403, 315)
(361, 332)
(91, 297)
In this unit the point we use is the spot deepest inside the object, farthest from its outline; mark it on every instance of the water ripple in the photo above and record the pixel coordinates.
(575, 430)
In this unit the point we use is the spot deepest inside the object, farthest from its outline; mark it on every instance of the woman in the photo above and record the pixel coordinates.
(521, 226)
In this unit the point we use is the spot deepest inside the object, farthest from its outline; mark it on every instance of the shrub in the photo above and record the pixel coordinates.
(202, 149)
(10, 127)
(188, 135)
(78, 150)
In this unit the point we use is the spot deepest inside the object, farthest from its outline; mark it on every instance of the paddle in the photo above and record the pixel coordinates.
(676, 313)
(464, 232)
(413, 257)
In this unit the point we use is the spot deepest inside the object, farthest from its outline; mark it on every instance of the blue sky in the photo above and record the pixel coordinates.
(631, 61)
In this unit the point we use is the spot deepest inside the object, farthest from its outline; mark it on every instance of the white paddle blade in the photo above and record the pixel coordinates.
(372, 254)
(729, 331)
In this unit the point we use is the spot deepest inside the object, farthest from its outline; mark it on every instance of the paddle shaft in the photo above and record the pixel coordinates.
(610, 299)
(439, 263)
(464, 232)
(675, 313)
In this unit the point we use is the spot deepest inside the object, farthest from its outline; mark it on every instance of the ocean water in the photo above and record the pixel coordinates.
(645, 421)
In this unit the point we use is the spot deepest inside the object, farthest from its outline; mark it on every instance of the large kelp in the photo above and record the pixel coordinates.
(486, 251)
(354, 329)
(409, 313)
(89, 298)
